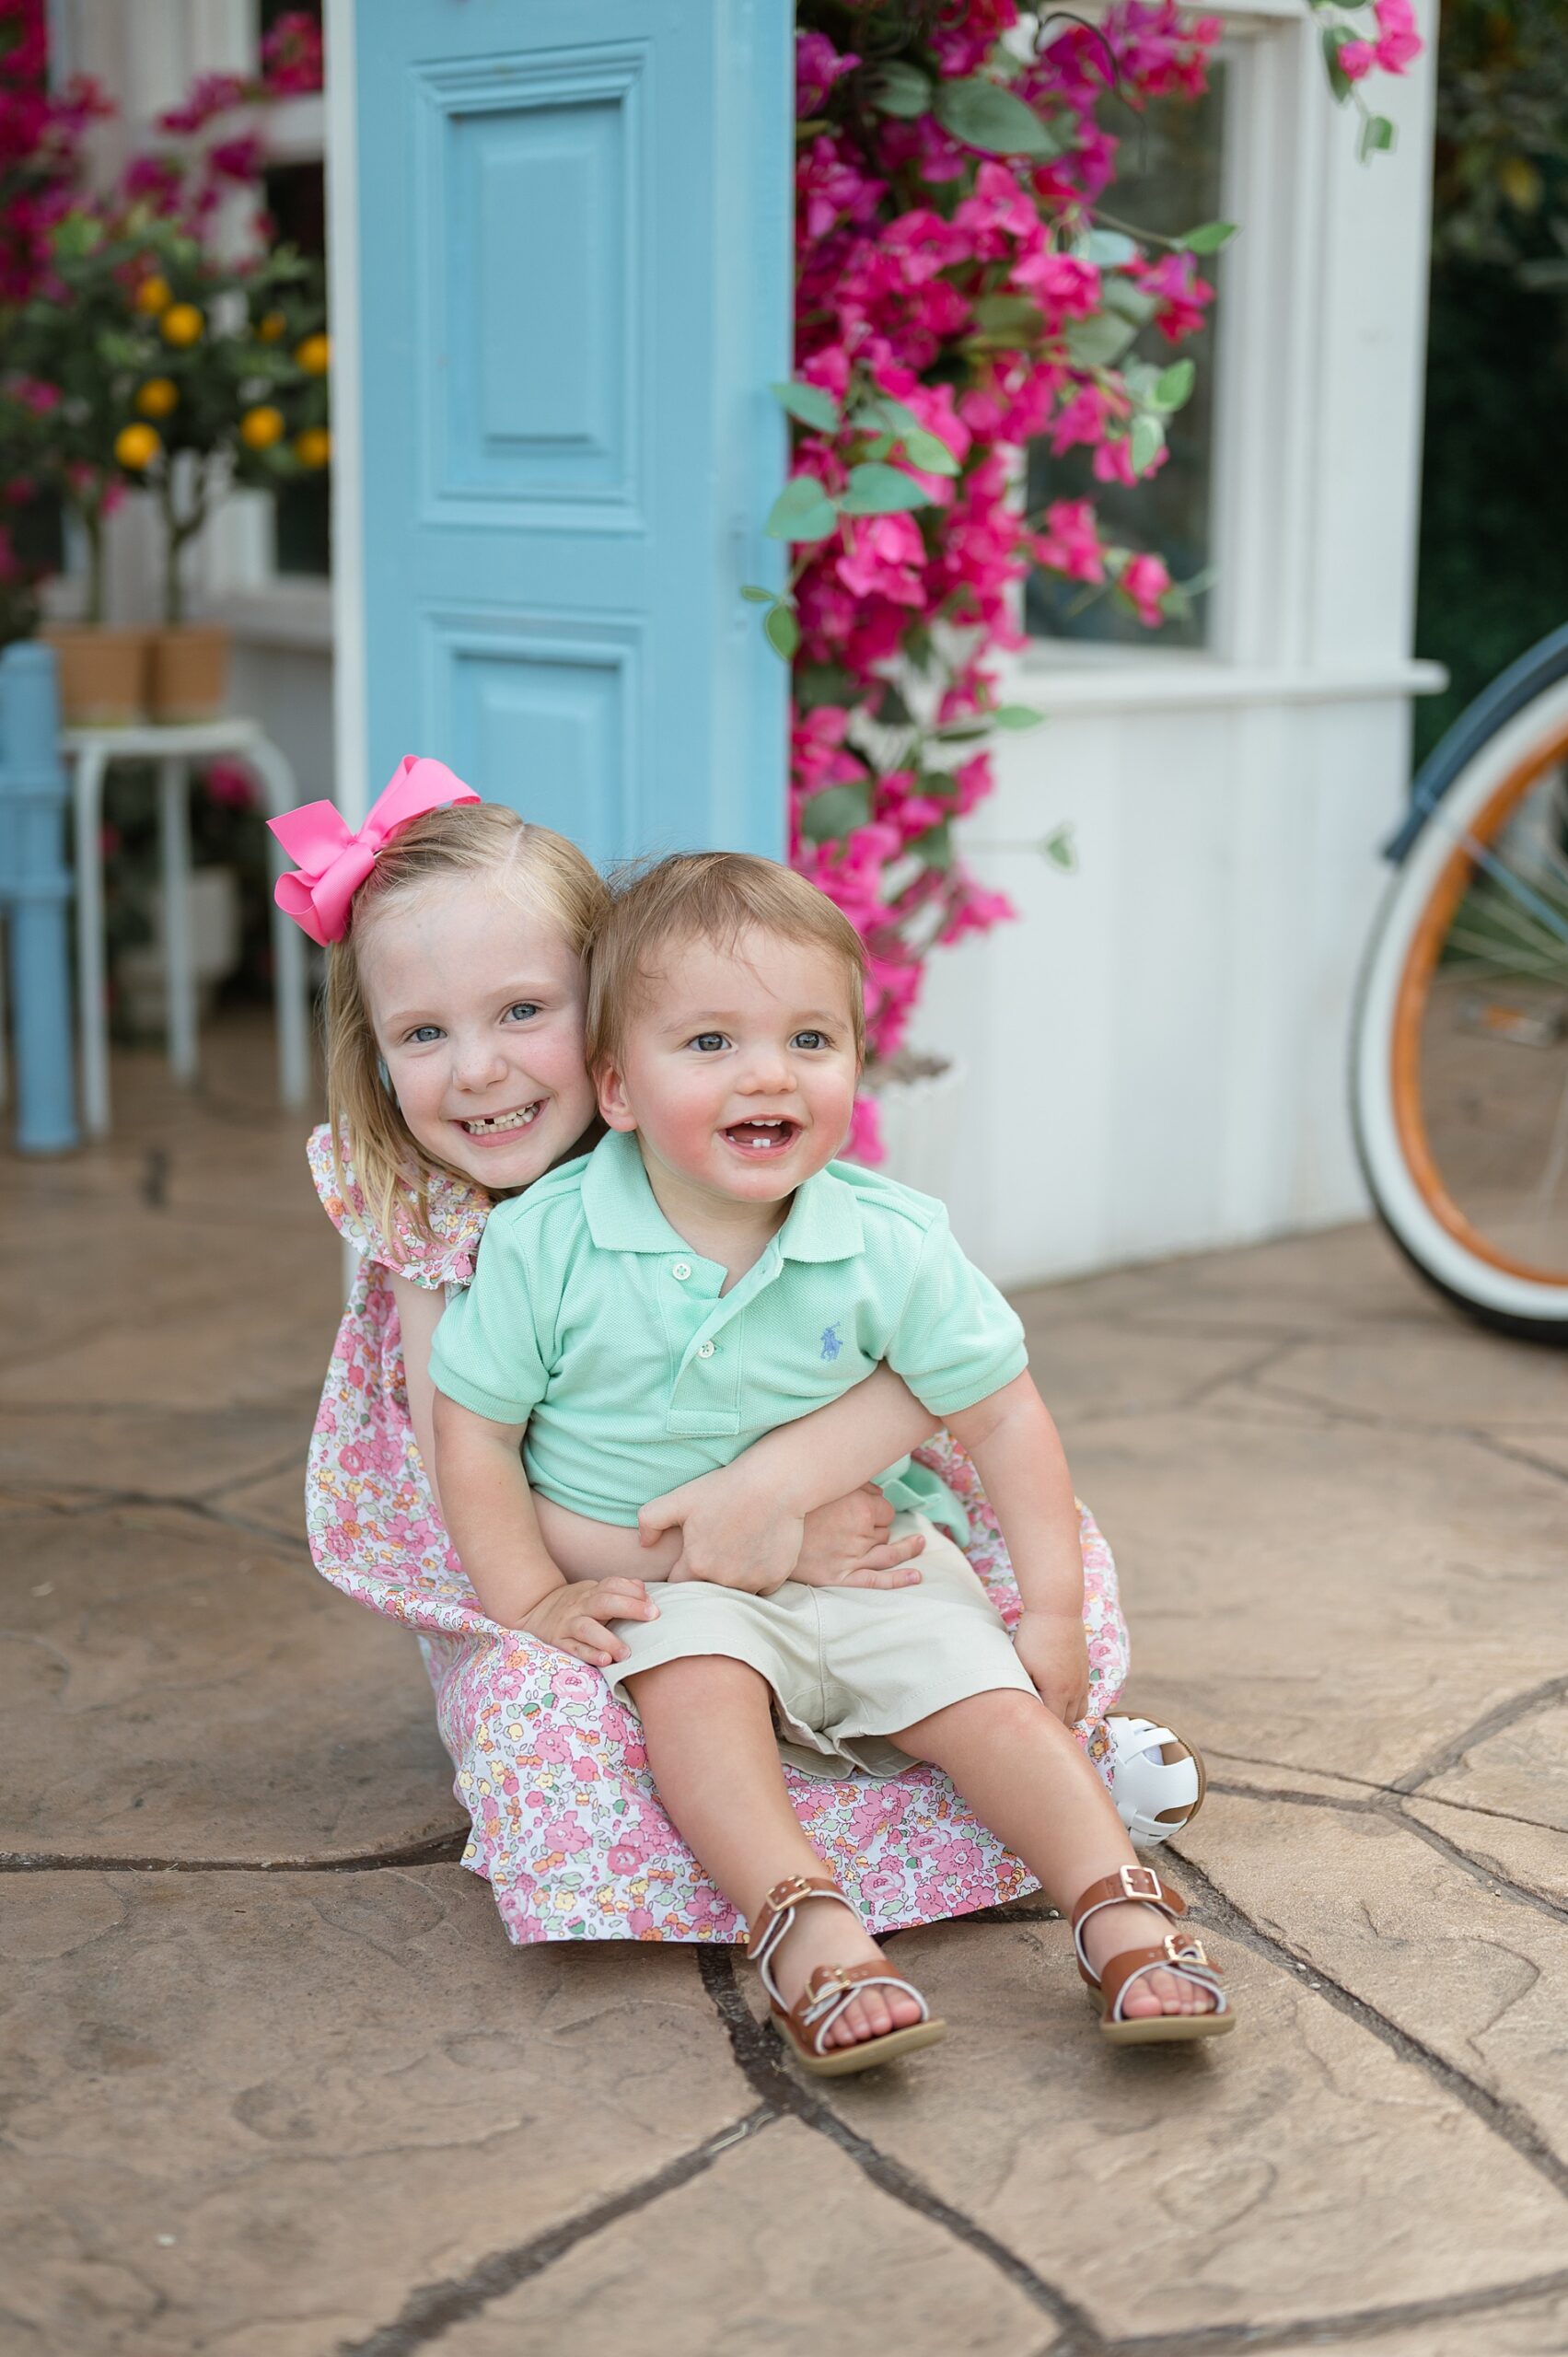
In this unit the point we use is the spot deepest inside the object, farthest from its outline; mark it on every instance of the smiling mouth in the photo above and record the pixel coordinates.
(762, 1137)
(496, 1125)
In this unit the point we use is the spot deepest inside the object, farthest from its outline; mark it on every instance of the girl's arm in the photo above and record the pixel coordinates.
(489, 1516)
(419, 1314)
(742, 1525)
(1019, 1454)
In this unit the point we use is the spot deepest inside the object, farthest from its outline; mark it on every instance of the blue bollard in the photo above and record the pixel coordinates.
(35, 891)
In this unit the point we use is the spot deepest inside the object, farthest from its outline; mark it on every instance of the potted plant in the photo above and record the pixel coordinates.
(146, 361)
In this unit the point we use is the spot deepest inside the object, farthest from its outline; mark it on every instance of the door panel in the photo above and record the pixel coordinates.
(575, 292)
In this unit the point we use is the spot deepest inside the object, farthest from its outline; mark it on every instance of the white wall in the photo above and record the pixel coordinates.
(1154, 1060)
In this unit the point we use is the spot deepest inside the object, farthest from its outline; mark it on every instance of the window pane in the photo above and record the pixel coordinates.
(296, 199)
(1171, 182)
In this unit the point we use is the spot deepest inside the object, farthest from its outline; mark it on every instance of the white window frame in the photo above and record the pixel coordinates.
(244, 587)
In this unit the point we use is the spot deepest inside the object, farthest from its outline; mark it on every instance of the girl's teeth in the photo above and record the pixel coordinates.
(502, 1121)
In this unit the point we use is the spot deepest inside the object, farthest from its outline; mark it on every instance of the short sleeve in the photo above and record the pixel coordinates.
(456, 1213)
(957, 1340)
(487, 1354)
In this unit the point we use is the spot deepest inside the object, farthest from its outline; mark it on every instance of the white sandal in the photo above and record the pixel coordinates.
(1158, 1783)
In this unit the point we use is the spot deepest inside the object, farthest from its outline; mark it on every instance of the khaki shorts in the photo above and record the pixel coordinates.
(847, 1666)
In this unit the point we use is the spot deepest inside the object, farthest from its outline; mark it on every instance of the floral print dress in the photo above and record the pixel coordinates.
(566, 1826)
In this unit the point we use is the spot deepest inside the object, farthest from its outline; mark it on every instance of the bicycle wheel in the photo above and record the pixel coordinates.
(1460, 1081)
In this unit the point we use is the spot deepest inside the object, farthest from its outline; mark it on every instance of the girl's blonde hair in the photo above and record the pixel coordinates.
(545, 874)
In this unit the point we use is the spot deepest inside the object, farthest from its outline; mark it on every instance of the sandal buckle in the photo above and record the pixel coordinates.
(1141, 1883)
(787, 1893)
(1182, 1948)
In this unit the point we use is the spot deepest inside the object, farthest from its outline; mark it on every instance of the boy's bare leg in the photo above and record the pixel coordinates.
(1022, 1772)
(708, 1724)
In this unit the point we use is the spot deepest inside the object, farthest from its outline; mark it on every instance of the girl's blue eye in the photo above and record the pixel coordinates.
(707, 1041)
(524, 1008)
(811, 1039)
(423, 1032)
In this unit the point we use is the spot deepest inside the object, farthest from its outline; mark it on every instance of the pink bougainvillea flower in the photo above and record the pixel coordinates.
(1069, 543)
(1144, 579)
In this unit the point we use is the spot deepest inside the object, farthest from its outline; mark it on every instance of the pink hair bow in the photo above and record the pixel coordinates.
(333, 862)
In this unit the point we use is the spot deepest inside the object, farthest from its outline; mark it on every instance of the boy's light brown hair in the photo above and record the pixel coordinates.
(710, 895)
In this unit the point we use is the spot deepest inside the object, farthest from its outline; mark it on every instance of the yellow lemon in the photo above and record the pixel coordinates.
(154, 295)
(271, 327)
(181, 323)
(314, 446)
(158, 397)
(314, 353)
(136, 447)
(259, 428)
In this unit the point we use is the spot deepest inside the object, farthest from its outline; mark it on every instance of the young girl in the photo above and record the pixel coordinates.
(462, 915)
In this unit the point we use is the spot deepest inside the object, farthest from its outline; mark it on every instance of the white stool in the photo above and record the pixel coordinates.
(174, 749)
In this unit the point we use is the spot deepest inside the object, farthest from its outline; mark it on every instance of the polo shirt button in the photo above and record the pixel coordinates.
(706, 1349)
(682, 1268)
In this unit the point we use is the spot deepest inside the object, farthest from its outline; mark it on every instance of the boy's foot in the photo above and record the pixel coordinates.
(1111, 1931)
(829, 1935)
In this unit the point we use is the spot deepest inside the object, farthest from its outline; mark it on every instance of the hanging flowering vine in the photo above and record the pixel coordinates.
(957, 299)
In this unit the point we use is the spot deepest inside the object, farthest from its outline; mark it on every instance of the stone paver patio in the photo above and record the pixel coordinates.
(275, 2085)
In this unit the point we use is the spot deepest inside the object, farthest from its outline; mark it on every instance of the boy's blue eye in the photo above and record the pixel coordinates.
(522, 1010)
(811, 1039)
(707, 1041)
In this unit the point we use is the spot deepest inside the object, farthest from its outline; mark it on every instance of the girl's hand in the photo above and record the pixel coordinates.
(846, 1545)
(731, 1533)
(572, 1617)
(1054, 1650)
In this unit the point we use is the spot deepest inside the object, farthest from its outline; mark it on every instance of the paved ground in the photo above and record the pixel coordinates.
(276, 2086)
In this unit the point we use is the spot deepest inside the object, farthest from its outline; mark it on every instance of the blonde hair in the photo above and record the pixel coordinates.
(544, 873)
(712, 896)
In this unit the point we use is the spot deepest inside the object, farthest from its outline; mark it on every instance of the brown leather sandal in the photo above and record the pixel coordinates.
(830, 1990)
(1178, 1952)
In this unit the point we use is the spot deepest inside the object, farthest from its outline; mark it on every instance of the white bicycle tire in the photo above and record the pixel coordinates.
(1522, 1303)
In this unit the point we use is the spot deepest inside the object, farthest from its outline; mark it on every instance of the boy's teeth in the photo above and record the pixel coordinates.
(518, 1120)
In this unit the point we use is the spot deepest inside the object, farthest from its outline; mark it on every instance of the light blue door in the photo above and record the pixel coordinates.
(576, 289)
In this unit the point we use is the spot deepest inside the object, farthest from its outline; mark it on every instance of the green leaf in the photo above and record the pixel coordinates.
(826, 816)
(802, 511)
(1015, 715)
(1334, 40)
(984, 115)
(876, 490)
(819, 683)
(1209, 238)
(1128, 301)
(1107, 249)
(893, 712)
(1009, 315)
(1174, 385)
(1377, 136)
(935, 846)
(755, 597)
(782, 631)
(1061, 850)
(1148, 440)
(1176, 605)
(1099, 343)
(902, 89)
(929, 452)
(810, 404)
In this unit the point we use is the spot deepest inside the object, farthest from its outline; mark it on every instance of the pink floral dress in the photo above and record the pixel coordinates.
(566, 1826)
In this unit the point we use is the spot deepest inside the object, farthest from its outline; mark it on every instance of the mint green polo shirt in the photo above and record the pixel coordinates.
(591, 1321)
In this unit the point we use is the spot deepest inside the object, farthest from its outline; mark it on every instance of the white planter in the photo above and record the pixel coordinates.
(921, 1130)
(214, 899)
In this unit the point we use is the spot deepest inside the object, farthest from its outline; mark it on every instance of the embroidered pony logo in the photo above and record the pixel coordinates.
(832, 1344)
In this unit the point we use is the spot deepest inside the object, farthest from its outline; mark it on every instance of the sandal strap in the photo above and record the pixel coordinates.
(777, 1914)
(1139, 1886)
(1179, 1952)
(832, 1989)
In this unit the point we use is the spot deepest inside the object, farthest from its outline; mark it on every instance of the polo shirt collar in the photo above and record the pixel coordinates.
(622, 1215)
